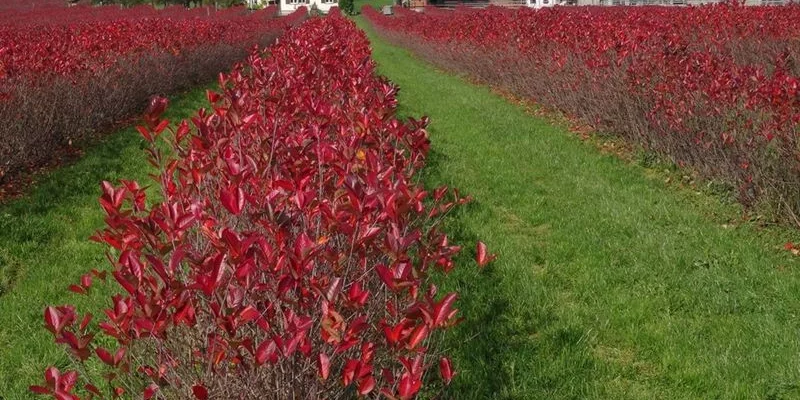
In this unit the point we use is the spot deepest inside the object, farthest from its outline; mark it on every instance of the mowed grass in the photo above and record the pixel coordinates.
(44, 247)
(609, 284)
(378, 4)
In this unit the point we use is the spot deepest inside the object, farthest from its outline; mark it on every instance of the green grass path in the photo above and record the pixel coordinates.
(610, 285)
(44, 247)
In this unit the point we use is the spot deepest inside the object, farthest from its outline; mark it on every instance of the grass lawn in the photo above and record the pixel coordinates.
(44, 247)
(374, 3)
(609, 285)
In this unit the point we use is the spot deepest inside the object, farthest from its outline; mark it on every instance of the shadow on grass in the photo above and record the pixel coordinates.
(499, 342)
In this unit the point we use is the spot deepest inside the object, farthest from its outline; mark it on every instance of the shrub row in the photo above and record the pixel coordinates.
(64, 41)
(288, 251)
(65, 81)
(713, 87)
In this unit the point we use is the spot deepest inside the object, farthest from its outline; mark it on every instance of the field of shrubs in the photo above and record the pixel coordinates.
(716, 87)
(299, 238)
(70, 73)
(288, 250)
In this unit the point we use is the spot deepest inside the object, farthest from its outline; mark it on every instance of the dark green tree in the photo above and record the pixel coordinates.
(347, 6)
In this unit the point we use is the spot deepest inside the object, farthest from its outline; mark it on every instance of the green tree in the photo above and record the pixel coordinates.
(347, 6)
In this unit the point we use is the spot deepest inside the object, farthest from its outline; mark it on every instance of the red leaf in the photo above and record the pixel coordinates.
(156, 107)
(92, 389)
(386, 276)
(123, 281)
(441, 311)
(232, 198)
(186, 315)
(175, 260)
(182, 131)
(105, 356)
(150, 391)
(408, 386)
(249, 119)
(77, 289)
(419, 334)
(366, 385)
(248, 314)
(356, 295)
(118, 355)
(481, 255)
(333, 289)
(52, 375)
(303, 246)
(52, 320)
(158, 266)
(69, 379)
(160, 127)
(145, 133)
(200, 391)
(266, 351)
(349, 371)
(323, 366)
(212, 96)
(368, 234)
(61, 395)
(86, 320)
(86, 280)
(392, 333)
(446, 370)
(39, 389)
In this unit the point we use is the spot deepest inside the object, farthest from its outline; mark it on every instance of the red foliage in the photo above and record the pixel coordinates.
(69, 74)
(715, 87)
(64, 41)
(287, 254)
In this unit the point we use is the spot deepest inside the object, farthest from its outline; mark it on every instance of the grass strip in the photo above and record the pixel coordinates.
(610, 284)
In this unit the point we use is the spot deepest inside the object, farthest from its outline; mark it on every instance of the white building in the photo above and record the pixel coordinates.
(289, 6)
(540, 3)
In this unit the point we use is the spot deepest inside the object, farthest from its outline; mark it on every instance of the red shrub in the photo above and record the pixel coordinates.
(68, 74)
(716, 87)
(65, 41)
(288, 253)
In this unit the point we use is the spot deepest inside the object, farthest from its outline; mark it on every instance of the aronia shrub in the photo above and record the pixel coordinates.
(714, 87)
(70, 74)
(287, 248)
